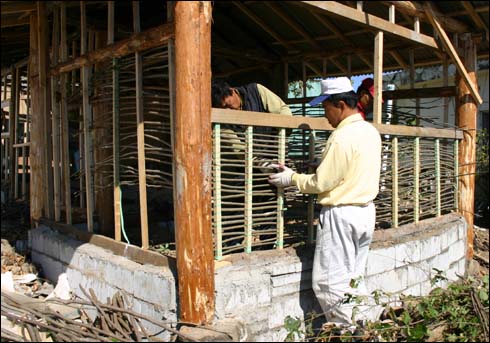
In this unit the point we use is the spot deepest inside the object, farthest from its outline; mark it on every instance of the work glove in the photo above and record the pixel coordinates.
(282, 179)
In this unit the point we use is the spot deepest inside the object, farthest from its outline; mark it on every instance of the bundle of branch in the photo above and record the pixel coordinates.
(38, 321)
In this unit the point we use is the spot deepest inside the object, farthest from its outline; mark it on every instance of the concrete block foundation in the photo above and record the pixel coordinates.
(258, 290)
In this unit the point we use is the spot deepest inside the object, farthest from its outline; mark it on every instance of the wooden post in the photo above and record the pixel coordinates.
(87, 122)
(47, 180)
(193, 158)
(466, 114)
(55, 115)
(394, 191)
(115, 125)
(65, 130)
(36, 156)
(140, 134)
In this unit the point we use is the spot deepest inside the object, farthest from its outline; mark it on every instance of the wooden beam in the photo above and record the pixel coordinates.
(292, 23)
(453, 54)
(421, 93)
(11, 22)
(475, 16)
(137, 42)
(466, 114)
(235, 117)
(17, 7)
(193, 160)
(372, 21)
(262, 24)
(414, 9)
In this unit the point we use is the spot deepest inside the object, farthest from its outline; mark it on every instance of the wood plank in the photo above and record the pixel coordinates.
(10, 22)
(193, 160)
(131, 252)
(18, 7)
(453, 54)
(372, 21)
(151, 38)
(225, 116)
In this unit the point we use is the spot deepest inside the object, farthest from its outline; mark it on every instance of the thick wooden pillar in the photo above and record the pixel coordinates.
(36, 156)
(466, 120)
(193, 159)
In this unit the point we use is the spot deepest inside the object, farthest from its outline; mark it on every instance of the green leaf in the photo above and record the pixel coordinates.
(483, 295)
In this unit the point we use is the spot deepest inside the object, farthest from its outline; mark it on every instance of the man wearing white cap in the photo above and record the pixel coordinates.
(346, 181)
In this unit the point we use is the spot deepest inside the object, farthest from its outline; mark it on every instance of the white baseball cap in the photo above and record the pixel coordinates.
(331, 87)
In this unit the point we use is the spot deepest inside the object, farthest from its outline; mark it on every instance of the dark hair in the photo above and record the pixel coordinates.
(350, 99)
(219, 90)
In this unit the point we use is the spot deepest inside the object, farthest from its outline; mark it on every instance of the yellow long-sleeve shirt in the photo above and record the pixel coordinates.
(349, 171)
(272, 103)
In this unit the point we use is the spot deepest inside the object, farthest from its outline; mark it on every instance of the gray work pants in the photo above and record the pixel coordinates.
(342, 245)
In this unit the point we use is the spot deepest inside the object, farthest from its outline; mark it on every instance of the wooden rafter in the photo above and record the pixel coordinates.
(453, 54)
(262, 24)
(291, 22)
(414, 9)
(372, 21)
(475, 16)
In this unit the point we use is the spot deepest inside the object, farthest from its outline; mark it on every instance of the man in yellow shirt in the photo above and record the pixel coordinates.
(346, 181)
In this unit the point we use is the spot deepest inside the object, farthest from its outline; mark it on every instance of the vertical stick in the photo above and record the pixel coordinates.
(311, 197)
(438, 177)
(378, 77)
(218, 230)
(248, 188)
(416, 165)
(456, 174)
(394, 175)
(15, 139)
(280, 191)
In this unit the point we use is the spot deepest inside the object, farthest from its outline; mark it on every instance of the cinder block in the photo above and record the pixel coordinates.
(286, 268)
(407, 253)
(380, 260)
(413, 290)
(283, 307)
(392, 281)
(457, 250)
(281, 280)
(462, 231)
(440, 262)
(293, 288)
(154, 288)
(418, 272)
(449, 237)
(430, 247)
(51, 268)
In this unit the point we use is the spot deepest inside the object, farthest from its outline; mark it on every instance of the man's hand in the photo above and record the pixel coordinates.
(282, 179)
